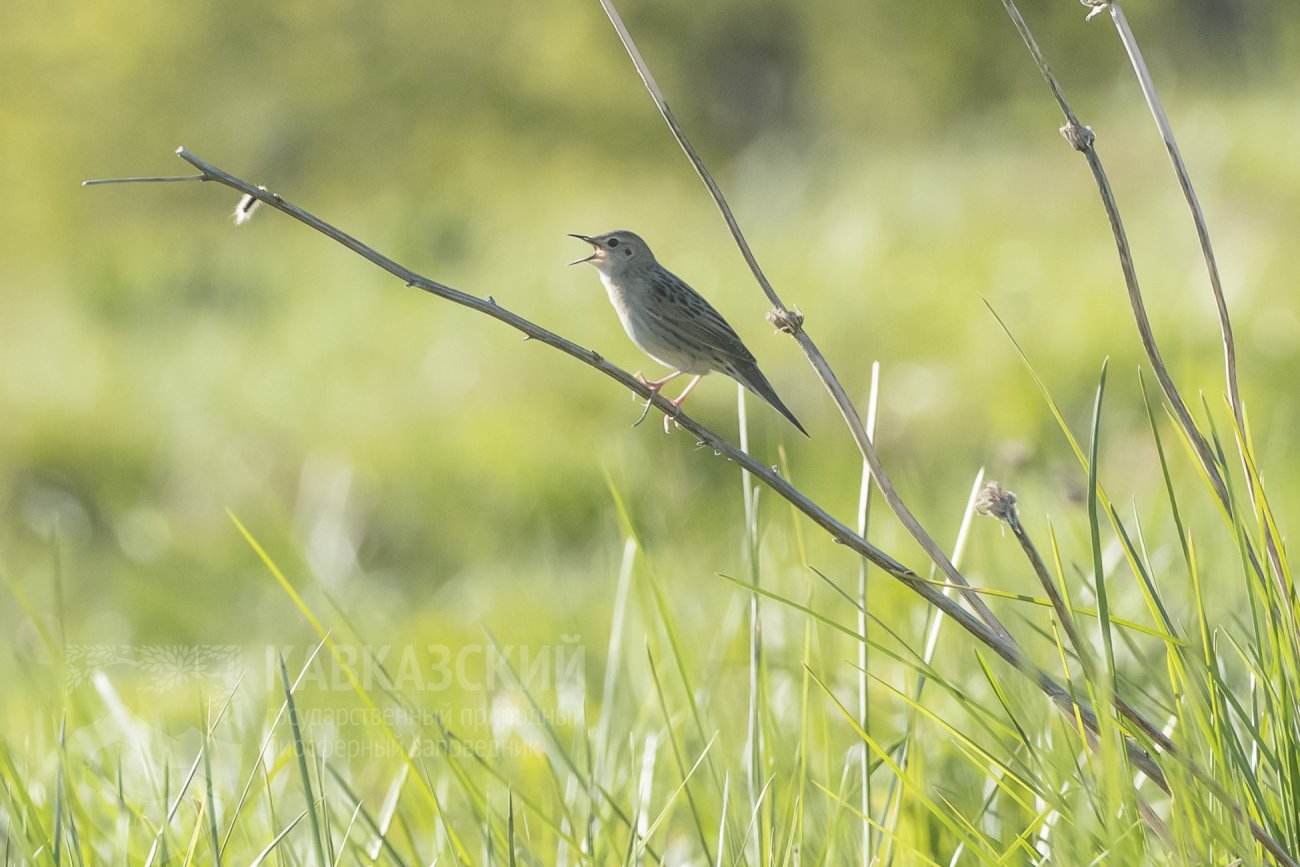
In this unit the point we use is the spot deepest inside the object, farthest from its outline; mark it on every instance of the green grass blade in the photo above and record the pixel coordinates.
(276, 841)
(679, 759)
(301, 752)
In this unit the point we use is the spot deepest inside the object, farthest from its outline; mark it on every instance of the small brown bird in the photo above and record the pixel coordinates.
(671, 322)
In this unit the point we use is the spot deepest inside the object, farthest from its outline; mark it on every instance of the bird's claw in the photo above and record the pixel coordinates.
(655, 386)
(645, 411)
(654, 389)
(670, 418)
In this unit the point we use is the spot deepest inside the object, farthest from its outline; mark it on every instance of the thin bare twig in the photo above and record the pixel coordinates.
(1148, 86)
(1083, 139)
(1008, 651)
(1001, 504)
(791, 322)
(1147, 83)
(171, 179)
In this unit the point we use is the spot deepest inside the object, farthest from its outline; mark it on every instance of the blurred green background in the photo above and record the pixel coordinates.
(895, 165)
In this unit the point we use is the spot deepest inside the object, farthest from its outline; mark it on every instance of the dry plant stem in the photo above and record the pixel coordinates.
(1012, 518)
(1053, 593)
(1185, 182)
(169, 179)
(1082, 650)
(792, 323)
(1166, 129)
(838, 531)
(1082, 139)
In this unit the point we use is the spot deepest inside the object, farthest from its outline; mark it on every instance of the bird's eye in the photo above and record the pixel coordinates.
(613, 242)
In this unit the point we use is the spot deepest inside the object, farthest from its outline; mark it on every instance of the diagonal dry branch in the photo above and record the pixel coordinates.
(791, 322)
(1008, 651)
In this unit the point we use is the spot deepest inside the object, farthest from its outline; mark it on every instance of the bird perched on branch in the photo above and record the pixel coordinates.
(671, 322)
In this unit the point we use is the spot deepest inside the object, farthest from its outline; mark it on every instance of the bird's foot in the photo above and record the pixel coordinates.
(671, 422)
(655, 386)
(654, 389)
(670, 418)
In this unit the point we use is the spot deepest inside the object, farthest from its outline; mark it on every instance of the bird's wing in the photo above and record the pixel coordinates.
(683, 309)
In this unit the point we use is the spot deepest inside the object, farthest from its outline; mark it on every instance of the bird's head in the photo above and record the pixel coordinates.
(616, 253)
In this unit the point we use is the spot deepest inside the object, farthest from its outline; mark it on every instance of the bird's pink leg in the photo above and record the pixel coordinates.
(681, 399)
(655, 386)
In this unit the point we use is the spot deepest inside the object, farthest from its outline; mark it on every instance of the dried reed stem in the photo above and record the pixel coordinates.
(791, 322)
(1166, 129)
(1083, 139)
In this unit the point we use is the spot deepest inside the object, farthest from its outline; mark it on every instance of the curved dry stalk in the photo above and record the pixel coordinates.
(791, 322)
(1166, 129)
(1001, 504)
(1082, 139)
(1189, 193)
(1009, 651)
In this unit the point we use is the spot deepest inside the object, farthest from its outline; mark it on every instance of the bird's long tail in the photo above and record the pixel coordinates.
(754, 380)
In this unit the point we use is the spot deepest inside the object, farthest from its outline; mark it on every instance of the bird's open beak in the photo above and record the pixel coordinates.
(593, 252)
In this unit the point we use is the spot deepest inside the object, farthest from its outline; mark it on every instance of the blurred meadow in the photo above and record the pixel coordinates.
(434, 487)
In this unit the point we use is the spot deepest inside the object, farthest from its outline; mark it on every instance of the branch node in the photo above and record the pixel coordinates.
(492, 301)
(789, 321)
(595, 356)
(1080, 137)
(996, 502)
